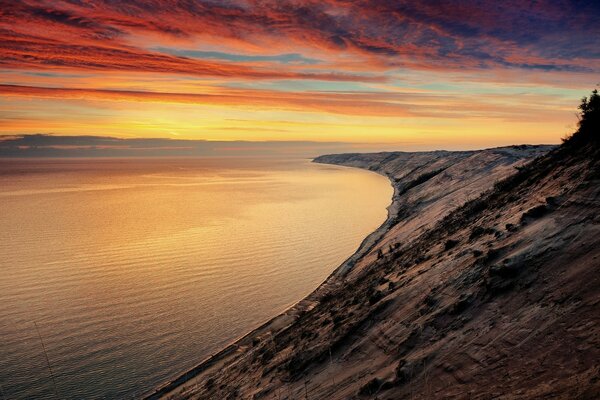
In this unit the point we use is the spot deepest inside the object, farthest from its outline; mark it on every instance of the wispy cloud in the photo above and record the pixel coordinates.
(437, 34)
(43, 145)
(290, 58)
(373, 104)
(355, 103)
(358, 59)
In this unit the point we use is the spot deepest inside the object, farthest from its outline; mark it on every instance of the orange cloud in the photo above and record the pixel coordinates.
(370, 104)
(426, 67)
(102, 35)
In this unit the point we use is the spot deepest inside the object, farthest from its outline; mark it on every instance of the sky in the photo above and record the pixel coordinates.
(404, 75)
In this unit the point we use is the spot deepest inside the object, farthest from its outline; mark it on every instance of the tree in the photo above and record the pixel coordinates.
(589, 120)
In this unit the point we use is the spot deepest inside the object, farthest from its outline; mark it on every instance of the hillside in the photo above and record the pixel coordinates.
(444, 298)
(483, 283)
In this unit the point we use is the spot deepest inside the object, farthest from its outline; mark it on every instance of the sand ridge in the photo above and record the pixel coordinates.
(479, 288)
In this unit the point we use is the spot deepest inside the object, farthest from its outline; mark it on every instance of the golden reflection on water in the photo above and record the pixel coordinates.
(135, 270)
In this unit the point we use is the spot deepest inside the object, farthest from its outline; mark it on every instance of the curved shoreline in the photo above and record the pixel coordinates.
(284, 319)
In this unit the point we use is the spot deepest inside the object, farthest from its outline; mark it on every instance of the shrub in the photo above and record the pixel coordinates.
(375, 297)
(480, 231)
(450, 243)
(491, 254)
(534, 212)
(371, 387)
(337, 320)
(589, 121)
(405, 371)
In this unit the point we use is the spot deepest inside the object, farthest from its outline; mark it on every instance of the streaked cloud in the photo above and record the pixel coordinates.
(41, 145)
(290, 58)
(437, 34)
(412, 63)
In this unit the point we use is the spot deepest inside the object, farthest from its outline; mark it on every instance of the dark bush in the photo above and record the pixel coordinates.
(405, 371)
(491, 254)
(505, 271)
(210, 382)
(375, 297)
(450, 243)
(534, 212)
(462, 304)
(337, 320)
(476, 232)
(589, 121)
(480, 231)
(267, 355)
(371, 387)
(327, 297)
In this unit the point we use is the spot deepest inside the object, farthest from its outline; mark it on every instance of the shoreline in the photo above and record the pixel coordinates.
(287, 317)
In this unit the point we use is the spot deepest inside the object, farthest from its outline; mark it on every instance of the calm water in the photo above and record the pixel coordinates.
(135, 270)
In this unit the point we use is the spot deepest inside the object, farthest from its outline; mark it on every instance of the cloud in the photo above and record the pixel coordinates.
(441, 34)
(356, 103)
(367, 67)
(352, 103)
(44, 145)
(28, 52)
(289, 58)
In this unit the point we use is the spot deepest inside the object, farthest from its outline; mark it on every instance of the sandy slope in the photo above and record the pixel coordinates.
(496, 297)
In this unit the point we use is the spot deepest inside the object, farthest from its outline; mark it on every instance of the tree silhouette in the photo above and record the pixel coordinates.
(589, 120)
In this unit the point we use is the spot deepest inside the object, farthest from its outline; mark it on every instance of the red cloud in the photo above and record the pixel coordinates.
(379, 34)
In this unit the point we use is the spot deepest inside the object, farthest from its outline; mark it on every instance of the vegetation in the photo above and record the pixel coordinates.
(375, 297)
(373, 387)
(420, 180)
(450, 243)
(535, 212)
(478, 231)
(477, 253)
(589, 121)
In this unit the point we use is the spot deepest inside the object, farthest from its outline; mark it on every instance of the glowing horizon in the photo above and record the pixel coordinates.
(414, 76)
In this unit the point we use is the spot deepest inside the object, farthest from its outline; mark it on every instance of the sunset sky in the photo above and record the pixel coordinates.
(409, 74)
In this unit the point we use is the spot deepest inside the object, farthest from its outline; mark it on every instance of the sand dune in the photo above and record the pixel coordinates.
(473, 288)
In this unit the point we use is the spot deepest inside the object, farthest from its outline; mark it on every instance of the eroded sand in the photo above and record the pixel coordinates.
(493, 299)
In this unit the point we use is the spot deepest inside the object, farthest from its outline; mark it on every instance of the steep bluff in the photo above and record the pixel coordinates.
(483, 284)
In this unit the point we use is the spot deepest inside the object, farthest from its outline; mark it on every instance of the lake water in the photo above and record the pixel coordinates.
(136, 270)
